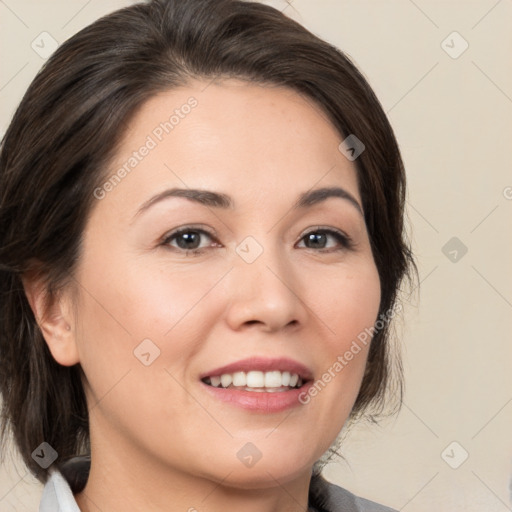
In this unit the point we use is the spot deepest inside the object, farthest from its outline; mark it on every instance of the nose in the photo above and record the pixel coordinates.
(266, 294)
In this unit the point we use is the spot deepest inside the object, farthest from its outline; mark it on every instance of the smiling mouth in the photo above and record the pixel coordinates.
(257, 381)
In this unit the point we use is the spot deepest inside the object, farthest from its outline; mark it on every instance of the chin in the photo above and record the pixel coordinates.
(269, 467)
(263, 476)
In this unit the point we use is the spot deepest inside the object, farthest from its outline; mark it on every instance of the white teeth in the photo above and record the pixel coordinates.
(273, 380)
(257, 381)
(239, 379)
(226, 380)
(215, 381)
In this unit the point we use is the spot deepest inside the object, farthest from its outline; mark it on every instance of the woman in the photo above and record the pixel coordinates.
(201, 246)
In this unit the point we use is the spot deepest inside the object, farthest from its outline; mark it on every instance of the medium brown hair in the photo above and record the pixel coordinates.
(66, 130)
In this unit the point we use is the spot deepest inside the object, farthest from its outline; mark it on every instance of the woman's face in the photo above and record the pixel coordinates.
(254, 283)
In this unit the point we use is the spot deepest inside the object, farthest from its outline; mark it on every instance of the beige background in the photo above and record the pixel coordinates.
(453, 120)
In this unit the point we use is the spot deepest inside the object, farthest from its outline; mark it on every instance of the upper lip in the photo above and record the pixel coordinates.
(262, 364)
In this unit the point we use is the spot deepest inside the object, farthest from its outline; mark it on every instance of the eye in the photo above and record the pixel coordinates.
(188, 239)
(319, 239)
(195, 240)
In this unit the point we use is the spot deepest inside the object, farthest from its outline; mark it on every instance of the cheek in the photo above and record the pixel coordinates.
(349, 304)
(348, 308)
(124, 304)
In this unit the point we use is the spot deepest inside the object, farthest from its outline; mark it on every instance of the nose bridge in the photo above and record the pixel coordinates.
(264, 285)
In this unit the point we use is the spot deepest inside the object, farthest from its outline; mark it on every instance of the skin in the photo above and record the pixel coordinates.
(158, 439)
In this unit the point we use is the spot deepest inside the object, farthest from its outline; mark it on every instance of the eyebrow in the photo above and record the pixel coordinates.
(220, 200)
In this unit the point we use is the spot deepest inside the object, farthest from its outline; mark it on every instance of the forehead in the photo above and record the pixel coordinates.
(251, 139)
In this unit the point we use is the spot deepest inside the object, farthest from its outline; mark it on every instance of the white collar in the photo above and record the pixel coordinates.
(57, 495)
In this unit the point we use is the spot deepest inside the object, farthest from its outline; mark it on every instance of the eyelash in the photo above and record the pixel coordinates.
(344, 240)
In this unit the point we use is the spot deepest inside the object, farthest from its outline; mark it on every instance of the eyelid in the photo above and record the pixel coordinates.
(189, 227)
(314, 229)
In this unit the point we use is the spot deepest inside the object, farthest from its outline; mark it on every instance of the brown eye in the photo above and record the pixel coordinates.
(319, 239)
(188, 239)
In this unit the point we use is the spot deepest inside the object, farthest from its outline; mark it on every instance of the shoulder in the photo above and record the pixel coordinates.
(328, 497)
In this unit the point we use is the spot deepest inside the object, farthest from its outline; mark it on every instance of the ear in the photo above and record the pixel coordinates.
(53, 314)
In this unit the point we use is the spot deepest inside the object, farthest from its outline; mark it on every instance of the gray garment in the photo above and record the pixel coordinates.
(323, 496)
(327, 497)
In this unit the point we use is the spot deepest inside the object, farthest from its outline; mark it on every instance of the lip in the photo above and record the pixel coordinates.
(260, 401)
(262, 364)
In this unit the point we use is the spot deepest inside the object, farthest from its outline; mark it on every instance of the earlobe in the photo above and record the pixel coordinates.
(53, 314)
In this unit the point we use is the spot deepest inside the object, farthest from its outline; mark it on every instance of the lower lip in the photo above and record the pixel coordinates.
(259, 401)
